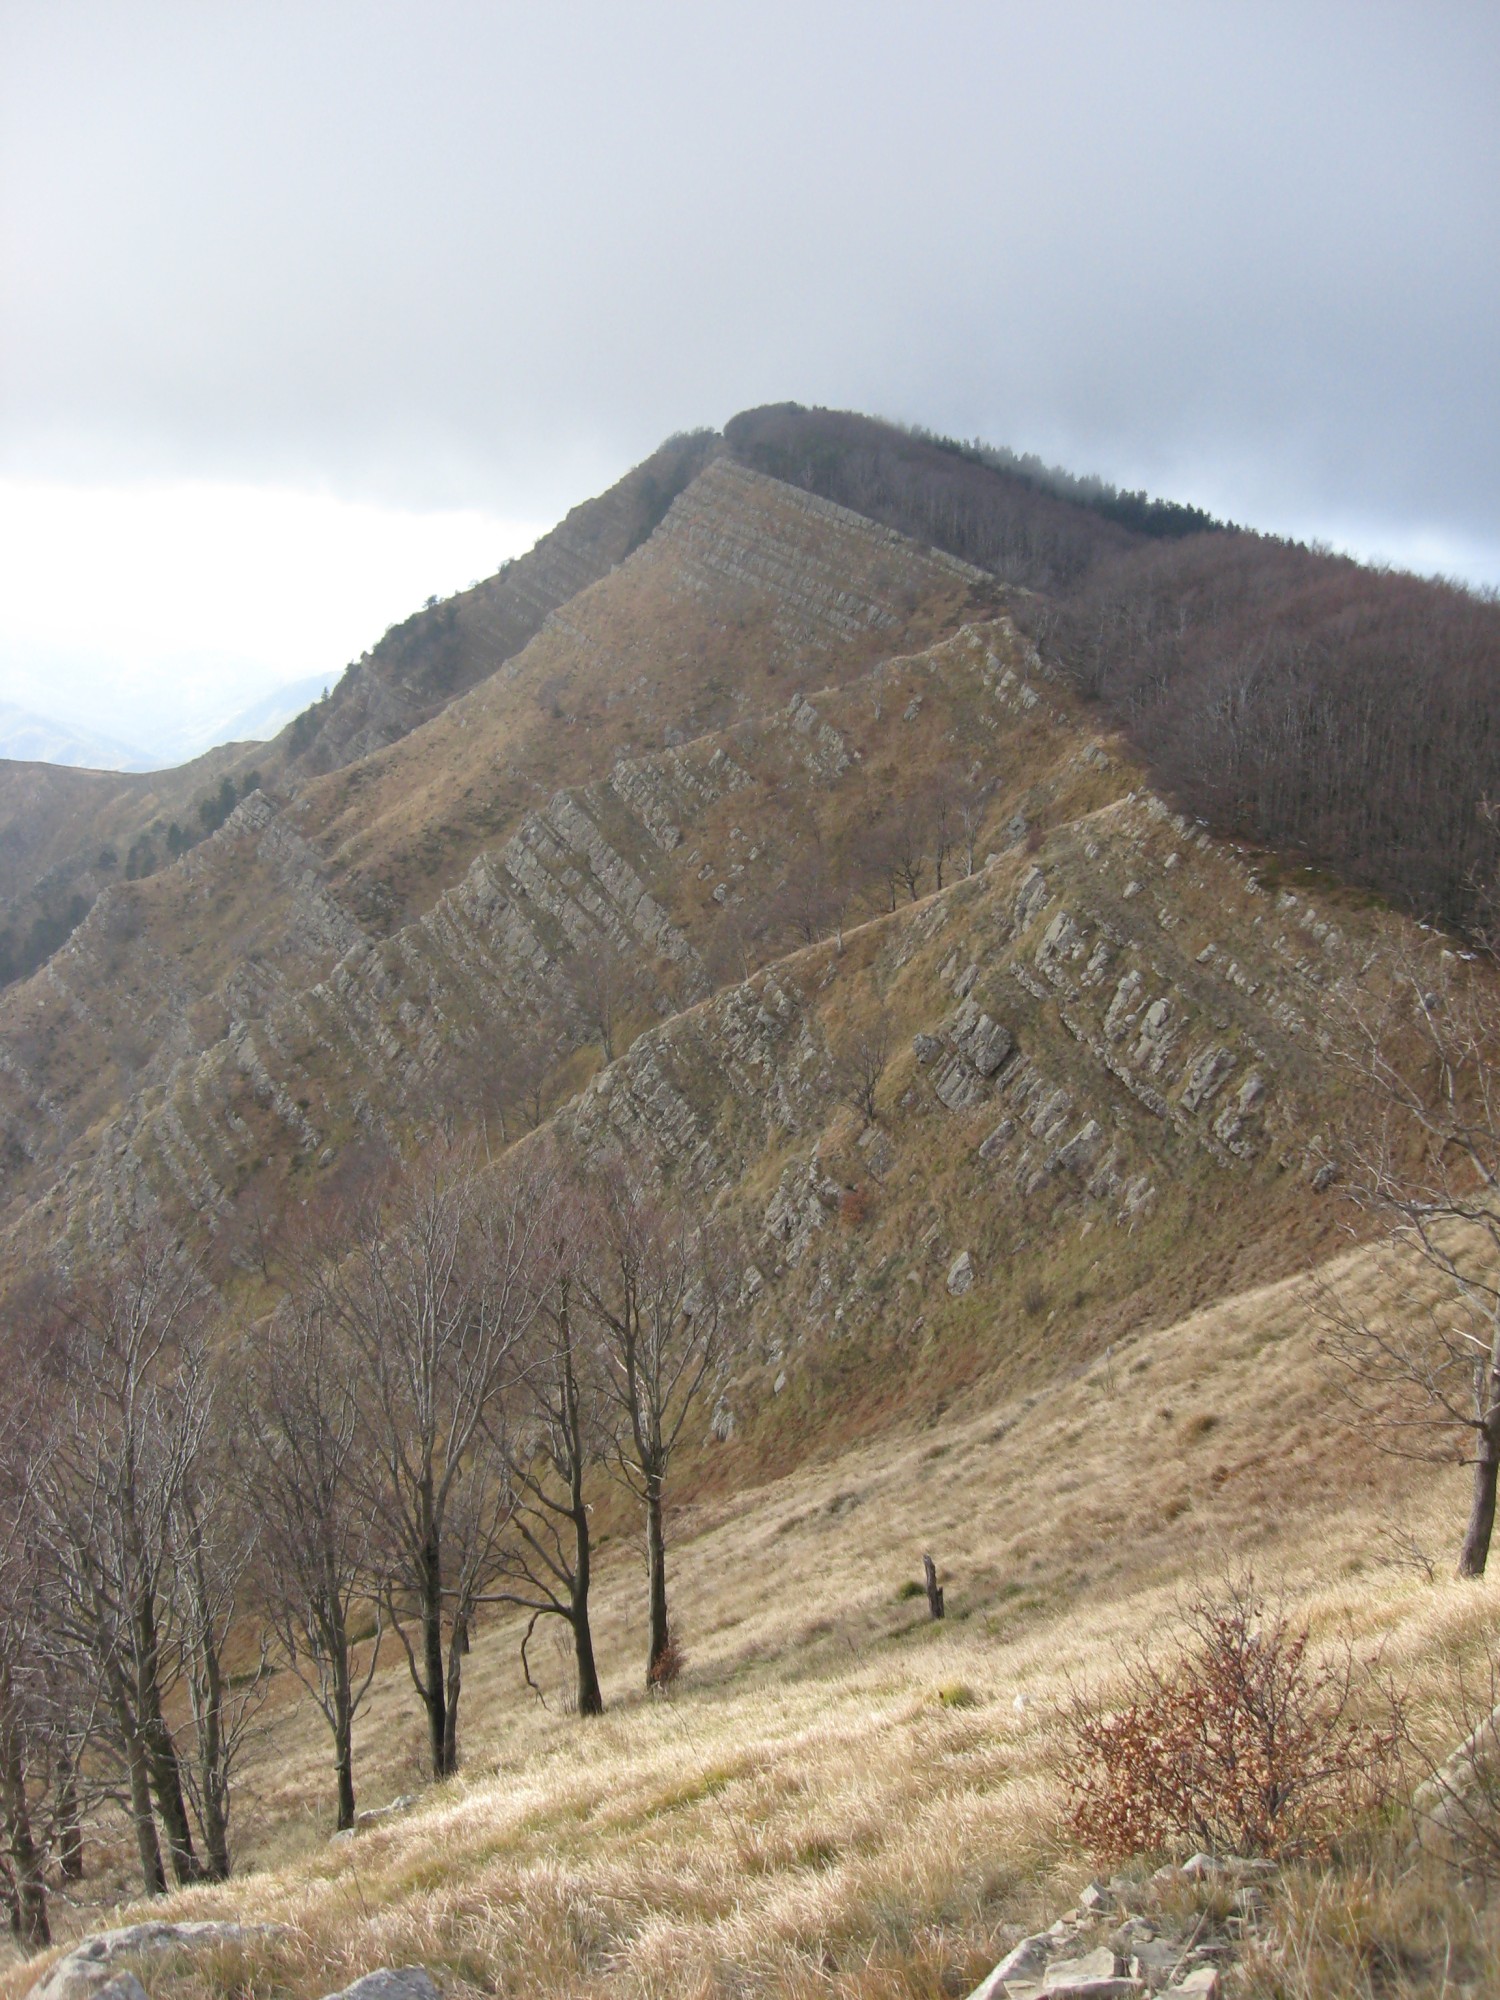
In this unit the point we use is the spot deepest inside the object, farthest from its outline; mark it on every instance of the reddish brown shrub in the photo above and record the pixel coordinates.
(854, 1206)
(1236, 1741)
(665, 1668)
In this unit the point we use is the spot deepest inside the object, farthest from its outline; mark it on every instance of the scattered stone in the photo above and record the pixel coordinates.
(1155, 1960)
(984, 1042)
(1202, 1980)
(376, 1814)
(1095, 1976)
(408, 1982)
(995, 1143)
(779, 1384)
(1081, 1958)
(927, 1048)
(1028, 1960)
(86, 1970)
(123, 1986)
(961, 1274)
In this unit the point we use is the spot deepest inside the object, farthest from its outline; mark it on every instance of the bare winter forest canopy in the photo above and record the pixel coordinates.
(1343, 716)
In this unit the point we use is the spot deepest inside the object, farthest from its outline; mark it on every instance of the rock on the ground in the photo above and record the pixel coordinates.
(1203, 1980)
(1095, 1976)
(1027, 1960)
(961, 1274)
(375, 1815)
(124, 1986)
(83, 1972)
(407, 1982)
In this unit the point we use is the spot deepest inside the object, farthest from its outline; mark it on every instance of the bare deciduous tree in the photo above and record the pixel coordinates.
(556, 1434)
(859, 1062)
(973, 796)
(602, 984)
(655, 1284)
(434, 1298)
(26, 1714)
(1425, 1161)
(316, 1545)
(211, 1548)
(525, 1069)
(129, 1433)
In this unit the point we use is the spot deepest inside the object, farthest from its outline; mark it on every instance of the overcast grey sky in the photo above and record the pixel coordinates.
(475, 259)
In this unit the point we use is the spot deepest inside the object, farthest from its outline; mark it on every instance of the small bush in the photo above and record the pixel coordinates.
(854, 1206)
(911, 1588)
(666, 1667)
(1236, 1741)
(957, 1694)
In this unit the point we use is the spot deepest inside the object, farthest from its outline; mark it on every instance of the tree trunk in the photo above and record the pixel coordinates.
(142, 1817)
(933, 1587)
(343, 1733)
(32, 1930)
(69, 1822)
(435, 1694)
(166, 1788)
(590, 1699)
(458, 1645)
(161, 1751)
(660, 1639)
(1476, 1549)
(148, 1846)
(206, 1690)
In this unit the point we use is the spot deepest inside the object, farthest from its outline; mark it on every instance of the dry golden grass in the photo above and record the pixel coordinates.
(844, 1799)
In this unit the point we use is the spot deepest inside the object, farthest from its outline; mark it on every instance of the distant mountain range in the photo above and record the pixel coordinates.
(29, 738)
(36, 739)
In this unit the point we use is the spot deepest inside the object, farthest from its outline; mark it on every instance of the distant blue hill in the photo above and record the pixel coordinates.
(38, 739)
(35, 739)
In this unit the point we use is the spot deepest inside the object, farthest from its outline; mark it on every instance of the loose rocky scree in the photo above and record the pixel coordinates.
(1179, 1931)
(95, 1969)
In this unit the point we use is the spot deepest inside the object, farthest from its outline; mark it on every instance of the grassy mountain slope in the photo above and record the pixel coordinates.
(1045, 1312)
(54, 823)
(842, 1797)
(748, 594)
(423, 662)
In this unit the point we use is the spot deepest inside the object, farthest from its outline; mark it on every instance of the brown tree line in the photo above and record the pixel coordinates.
(1347, 715)
(419, 1430)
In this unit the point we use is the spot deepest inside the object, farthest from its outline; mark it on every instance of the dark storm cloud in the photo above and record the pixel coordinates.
(487, 254)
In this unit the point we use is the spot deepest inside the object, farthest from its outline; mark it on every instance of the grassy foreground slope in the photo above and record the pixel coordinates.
(842, 1798)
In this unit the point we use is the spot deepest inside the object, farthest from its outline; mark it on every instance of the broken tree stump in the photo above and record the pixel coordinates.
(934, 1588)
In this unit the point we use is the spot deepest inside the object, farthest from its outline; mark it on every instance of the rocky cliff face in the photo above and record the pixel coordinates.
(645, 867)
(1103, 1080)
(270, 904)
(1107, 1076)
